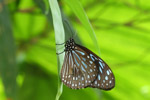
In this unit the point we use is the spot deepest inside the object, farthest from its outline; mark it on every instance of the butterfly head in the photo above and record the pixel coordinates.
(70, 45)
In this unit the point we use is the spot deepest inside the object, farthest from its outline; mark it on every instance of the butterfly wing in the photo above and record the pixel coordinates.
(78, 71)
(105, 79)
(71, 76)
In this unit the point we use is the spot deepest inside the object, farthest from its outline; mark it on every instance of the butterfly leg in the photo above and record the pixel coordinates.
(60, 53)
(61, 43)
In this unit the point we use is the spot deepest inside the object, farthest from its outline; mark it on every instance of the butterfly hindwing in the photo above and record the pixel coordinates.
(105, 79)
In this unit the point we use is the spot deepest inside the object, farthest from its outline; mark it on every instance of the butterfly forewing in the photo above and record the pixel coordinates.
(78, 71)
(87, 66)
(105, 79)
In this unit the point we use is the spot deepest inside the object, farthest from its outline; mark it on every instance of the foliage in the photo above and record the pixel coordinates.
(28, 50)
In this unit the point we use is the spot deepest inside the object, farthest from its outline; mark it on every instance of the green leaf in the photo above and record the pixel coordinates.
(8, 69)
(44, 6)
(59, 38)
(80, 13)
(37, 84)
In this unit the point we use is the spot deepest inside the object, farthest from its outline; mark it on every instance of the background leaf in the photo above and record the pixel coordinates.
(122, 31)
(8, 68)
(80, 13)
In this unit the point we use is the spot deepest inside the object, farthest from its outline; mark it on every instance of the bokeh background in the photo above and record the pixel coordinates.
(28, 63)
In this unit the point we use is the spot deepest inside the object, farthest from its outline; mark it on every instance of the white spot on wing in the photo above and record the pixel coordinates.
(96, 82)
(91, 70)
(103, 81)
(82, 78)
(88, 56)
(106, 77)
(108, 72)
(72, 84)
(100, 69)
(79, 83)
(76, 78)
(110, 81)
(73, 78)
(99, 77)
(101, 64)
(91, 62)
(88, 76)
(86, 81)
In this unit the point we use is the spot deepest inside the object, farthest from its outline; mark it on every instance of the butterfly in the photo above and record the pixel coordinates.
(82, 68)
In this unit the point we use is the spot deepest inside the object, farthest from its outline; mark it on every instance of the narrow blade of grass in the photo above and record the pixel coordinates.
(59, 38)
(80, 13)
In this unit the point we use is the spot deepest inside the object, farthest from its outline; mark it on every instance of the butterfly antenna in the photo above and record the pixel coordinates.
(75, 34)
(71, 29)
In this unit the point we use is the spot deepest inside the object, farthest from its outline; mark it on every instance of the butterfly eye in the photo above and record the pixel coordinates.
(71, 40)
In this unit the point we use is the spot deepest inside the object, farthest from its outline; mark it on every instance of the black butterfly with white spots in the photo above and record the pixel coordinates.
(82, 68)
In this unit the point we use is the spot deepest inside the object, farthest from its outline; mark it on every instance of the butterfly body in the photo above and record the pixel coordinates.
(82, 68)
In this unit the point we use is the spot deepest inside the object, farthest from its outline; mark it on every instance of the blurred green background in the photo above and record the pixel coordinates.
(28, 63)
